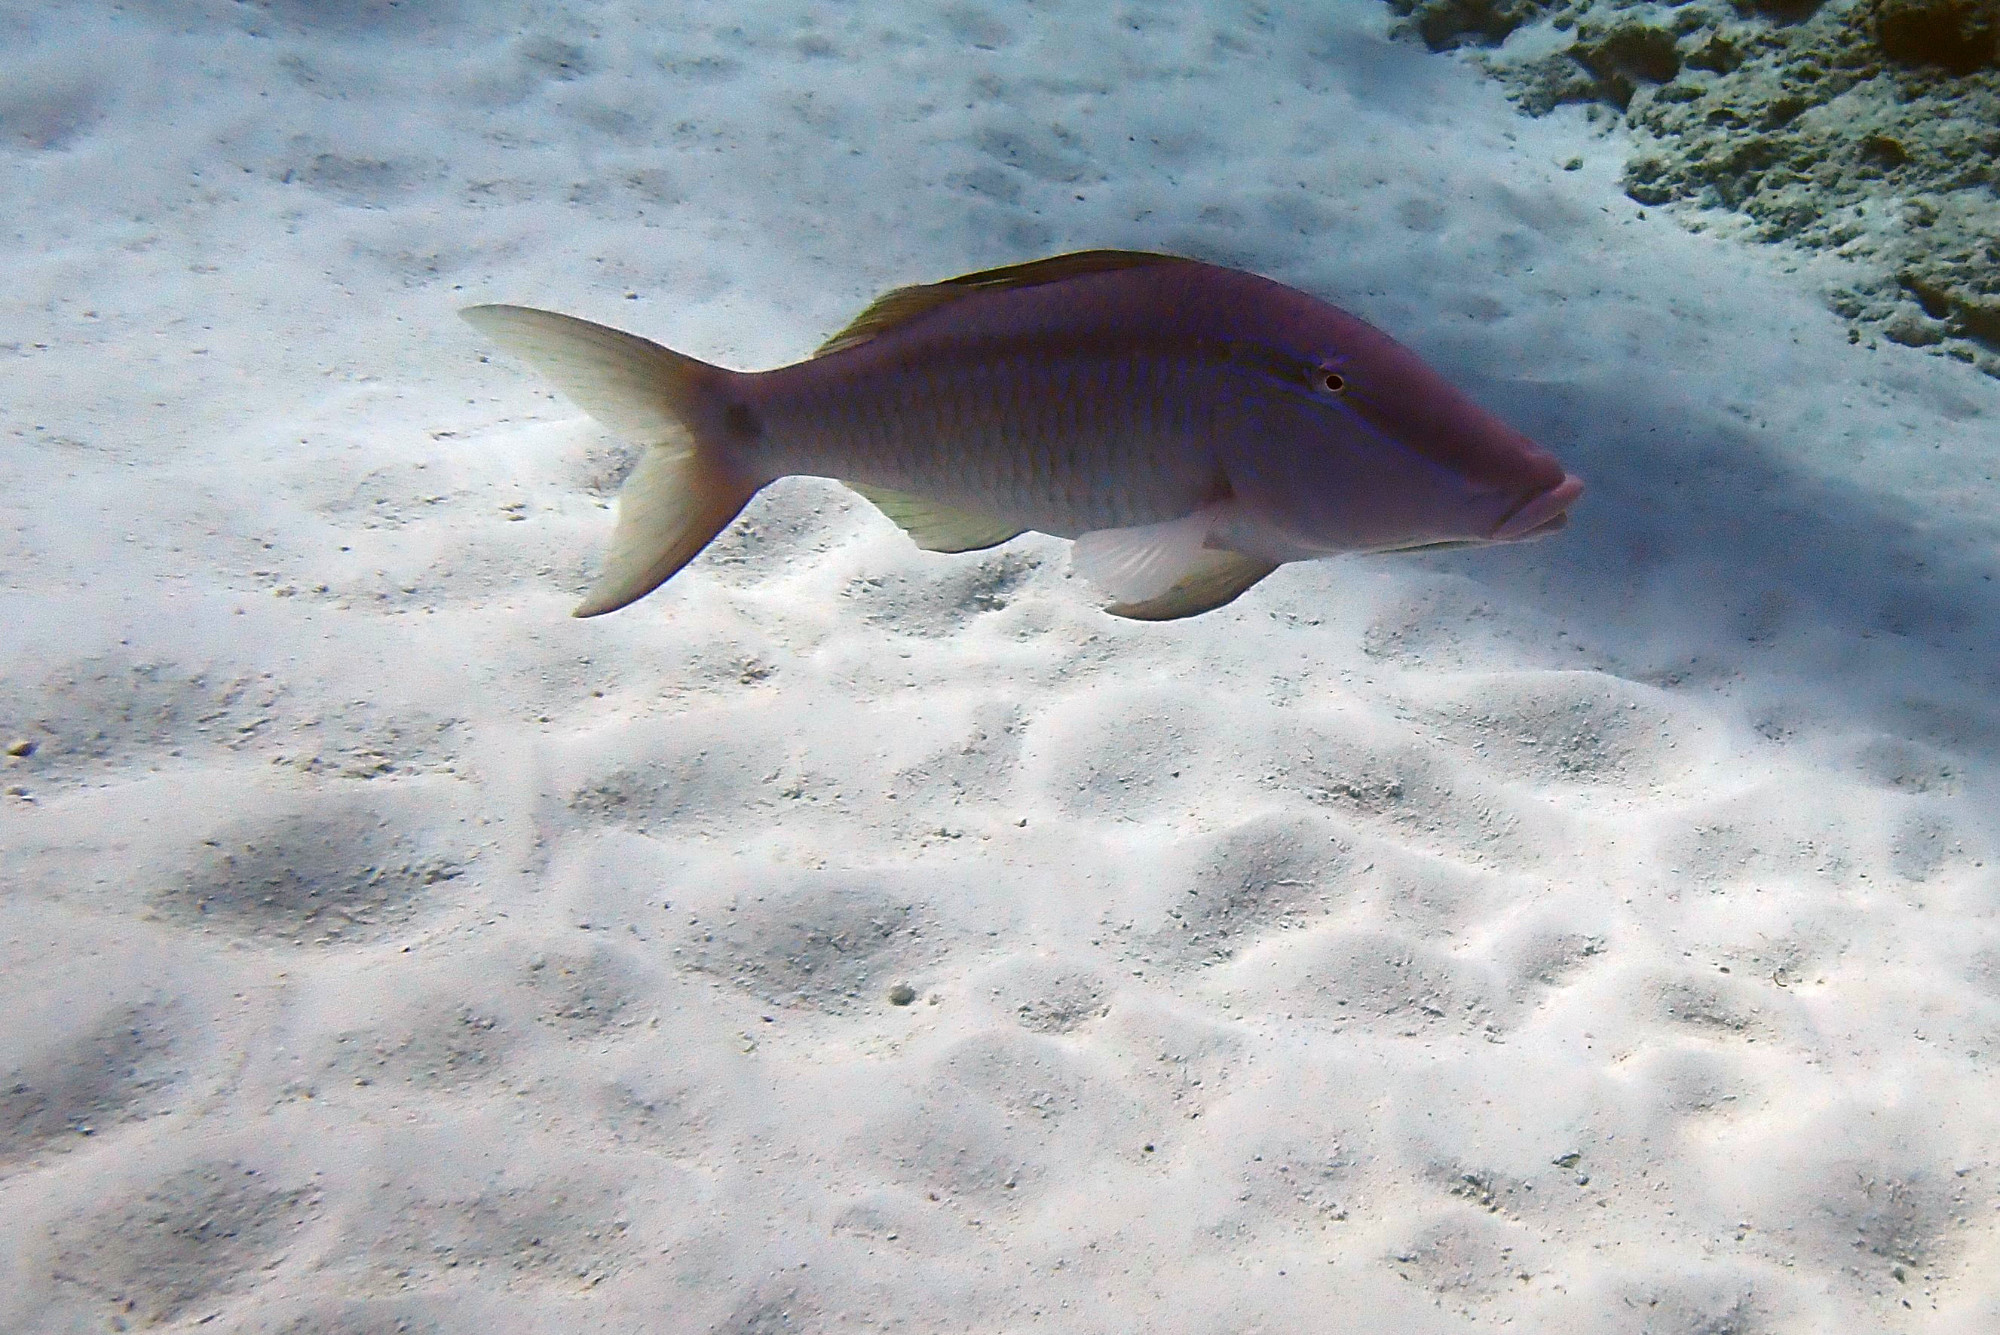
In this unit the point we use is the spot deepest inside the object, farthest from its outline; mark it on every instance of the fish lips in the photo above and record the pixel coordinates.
(1540, 514)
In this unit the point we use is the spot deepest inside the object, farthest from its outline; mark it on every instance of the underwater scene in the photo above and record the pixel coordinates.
(1000, 665)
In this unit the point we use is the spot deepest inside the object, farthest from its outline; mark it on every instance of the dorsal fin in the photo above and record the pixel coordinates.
(901, 305)
(889, 310)
(1030, 272)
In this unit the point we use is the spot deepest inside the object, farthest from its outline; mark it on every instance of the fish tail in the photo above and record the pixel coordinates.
(687, 485)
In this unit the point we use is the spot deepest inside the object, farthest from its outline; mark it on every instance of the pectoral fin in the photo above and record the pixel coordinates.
(935, 527)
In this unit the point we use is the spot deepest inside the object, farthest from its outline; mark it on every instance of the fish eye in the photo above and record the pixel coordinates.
(1333, 382)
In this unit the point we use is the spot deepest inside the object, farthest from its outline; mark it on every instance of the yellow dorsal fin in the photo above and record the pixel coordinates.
(1030, 272)
(903, 304)
(934, 527)
(889, 310)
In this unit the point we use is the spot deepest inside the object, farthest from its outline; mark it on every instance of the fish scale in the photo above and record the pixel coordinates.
(992, 431)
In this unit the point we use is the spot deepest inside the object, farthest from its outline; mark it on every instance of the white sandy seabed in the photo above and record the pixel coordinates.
(1596, 935)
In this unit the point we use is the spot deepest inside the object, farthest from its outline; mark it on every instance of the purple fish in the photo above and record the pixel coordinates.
(1192, 427)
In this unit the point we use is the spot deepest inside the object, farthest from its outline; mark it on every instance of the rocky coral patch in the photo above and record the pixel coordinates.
(1869, 129)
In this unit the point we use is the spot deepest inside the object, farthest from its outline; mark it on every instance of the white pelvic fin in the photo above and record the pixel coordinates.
(1218, 579)
(1137, 564)
(683, 491)
(935, 527)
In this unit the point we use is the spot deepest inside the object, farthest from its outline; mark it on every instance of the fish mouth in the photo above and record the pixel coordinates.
(1541, 514)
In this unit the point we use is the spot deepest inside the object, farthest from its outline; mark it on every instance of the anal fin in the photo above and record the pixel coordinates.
(936, 527)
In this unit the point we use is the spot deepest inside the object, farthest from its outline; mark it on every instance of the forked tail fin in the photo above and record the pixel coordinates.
(684, 490)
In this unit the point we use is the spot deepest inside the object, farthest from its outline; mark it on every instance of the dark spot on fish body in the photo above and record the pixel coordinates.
(742, 421)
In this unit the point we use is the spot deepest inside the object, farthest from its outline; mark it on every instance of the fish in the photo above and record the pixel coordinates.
(1191, 427)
